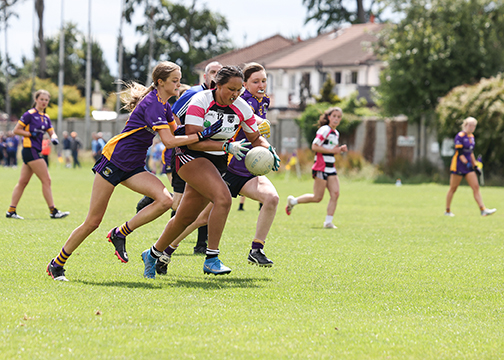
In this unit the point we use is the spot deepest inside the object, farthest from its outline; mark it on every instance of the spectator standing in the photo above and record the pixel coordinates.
(67, 148)
(75, 145)
(11, 147)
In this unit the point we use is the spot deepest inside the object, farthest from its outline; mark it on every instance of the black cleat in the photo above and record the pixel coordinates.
(145, 201)
(200, 249)
(56, 272)
(56, 214)
(162, 264)
(258, 257)
(13, 215)
(120, 245)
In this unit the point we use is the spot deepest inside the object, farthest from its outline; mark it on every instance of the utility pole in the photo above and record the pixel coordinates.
(119, 69)
(61, 74)
(87, 131)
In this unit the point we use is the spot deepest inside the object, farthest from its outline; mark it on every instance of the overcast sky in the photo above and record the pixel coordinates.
(248, 21)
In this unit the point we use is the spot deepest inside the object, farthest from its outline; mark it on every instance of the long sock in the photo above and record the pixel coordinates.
(123, 230)
(12, 209)
(61, 259)
(170, 250)
(202, 235)
(447, 210)
(51, 209)
(328, 219)
(257, 244)
(482, 208)
(212, 253)
(155, 253)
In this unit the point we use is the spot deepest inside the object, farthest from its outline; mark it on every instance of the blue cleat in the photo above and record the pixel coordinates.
(150, 265)
(215, 266)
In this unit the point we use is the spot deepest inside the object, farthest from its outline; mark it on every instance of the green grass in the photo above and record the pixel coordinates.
(396, 280)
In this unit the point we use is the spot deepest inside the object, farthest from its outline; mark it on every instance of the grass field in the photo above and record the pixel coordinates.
(396, 280)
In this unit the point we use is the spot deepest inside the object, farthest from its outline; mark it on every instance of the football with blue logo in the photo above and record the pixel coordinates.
(259, 161)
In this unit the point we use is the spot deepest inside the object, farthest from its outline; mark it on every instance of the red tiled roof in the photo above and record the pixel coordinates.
(348, 46)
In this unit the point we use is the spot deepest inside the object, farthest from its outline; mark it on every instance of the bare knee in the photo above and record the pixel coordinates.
(317, 198)
(165, 202)
(223, 201)
(335, 195)
(271, 201)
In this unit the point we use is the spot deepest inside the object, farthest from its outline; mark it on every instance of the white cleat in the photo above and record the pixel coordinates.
(329, 226)
(290, 205)
(486, 212)
(449, 214)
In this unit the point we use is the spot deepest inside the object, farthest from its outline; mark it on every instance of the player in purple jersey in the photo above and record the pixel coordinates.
(202, 166)
(123, 162)
(325, 145)
(463, 164)
(32, 126)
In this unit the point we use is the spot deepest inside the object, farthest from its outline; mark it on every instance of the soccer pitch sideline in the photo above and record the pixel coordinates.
(396, 280)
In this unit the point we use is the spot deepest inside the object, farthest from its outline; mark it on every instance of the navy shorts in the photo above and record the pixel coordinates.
(30, 154)
(112, 173)
(322, 175)
(235, 182)
(219, 161)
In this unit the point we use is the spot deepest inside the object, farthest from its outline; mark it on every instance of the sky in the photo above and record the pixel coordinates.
(247, 24)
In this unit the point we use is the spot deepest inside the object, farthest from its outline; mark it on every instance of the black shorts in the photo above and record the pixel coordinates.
(30, 154)
(112, 173)
(177, 183)
(219, 161)
(235, 182)
(322, 175)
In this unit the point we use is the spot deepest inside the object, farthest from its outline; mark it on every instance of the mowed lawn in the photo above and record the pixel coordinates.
(396, 280)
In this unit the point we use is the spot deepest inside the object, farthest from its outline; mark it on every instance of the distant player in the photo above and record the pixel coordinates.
(325, 145)
(463, 164)
(32, 126)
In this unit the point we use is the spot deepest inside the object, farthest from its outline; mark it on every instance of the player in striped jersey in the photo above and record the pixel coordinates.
(325, 145)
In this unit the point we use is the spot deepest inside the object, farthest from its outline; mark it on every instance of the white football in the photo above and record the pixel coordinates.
(259, 161)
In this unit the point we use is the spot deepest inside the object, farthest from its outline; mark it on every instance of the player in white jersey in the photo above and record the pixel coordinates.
(325, 145)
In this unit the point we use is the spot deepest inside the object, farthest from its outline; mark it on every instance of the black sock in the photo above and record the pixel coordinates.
(202, 235)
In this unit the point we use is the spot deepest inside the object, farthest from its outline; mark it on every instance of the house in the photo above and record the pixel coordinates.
(299, 68)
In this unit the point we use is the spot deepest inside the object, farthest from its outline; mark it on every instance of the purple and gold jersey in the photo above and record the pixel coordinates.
(464, 145)
(33, 121)
(204, 111)
(128, 149)
(328, 138)
(260, 108)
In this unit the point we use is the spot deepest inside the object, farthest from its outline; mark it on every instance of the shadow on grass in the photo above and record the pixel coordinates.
(211, 282)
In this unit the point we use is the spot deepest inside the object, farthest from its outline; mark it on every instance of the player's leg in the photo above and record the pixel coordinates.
(24, 179)
(333, 186)
(261, 189)
(472, 180)
(454, 183)
(100, 196)
(319, 187)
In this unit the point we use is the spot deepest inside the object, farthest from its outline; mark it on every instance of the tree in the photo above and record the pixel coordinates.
(332, 13)
(184, 35)
(439, 44)
(485, 102)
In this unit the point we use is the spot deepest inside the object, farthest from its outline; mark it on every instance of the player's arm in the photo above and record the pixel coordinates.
(19, 129)
(203, 145)
(170, 141)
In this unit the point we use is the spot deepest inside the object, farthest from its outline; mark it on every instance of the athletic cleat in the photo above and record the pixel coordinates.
(56, 272)
(13, 215)
(486, 212)
(200, 249)
(56, 214)
(150, 265)
(120, 245)
(450, 214)
(215, 266)
(162, 264)
(258, 257)
(329, 226)
(145, 201)
(288, 208)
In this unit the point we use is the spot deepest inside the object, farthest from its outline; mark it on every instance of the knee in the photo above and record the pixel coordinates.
(92, 224)
(335, 195)
(223, 200)
(165, 201)
(272, 200)
(318, 198)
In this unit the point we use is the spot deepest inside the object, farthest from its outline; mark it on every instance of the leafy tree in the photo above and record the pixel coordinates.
(74, 104)
(332, 13)
(326, 93)
(485, 102)
(182, 34)
(439, 44)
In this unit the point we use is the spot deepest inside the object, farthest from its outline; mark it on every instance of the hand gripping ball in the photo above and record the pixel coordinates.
(259, 161)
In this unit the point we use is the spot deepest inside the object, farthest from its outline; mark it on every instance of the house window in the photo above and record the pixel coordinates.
(292, 83)
(337, 77)
(354, 77)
